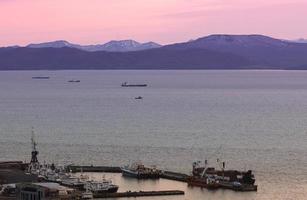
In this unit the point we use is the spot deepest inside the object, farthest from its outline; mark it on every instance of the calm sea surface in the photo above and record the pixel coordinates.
(250, 119)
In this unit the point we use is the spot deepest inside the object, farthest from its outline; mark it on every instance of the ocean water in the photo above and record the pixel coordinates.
(249, 119)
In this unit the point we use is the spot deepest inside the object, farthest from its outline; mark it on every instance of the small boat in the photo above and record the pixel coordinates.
(139, 171)
(40, 77)
(139, 97)
(125, 84)
(74, 81)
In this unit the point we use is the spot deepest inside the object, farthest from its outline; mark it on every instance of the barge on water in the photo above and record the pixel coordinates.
(139, 194)
(40, 77)
(125, 84)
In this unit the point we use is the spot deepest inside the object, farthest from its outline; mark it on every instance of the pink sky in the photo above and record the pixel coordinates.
(163, 21)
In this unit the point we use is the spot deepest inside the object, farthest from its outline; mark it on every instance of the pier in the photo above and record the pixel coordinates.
(109, 169)
(91, 168)
(140, 194)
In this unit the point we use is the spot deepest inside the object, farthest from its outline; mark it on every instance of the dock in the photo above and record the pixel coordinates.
(140, 194)
(91, 168)
(112, 169)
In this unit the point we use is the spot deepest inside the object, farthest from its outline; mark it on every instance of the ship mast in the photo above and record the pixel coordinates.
(205, 168)
(34, 152)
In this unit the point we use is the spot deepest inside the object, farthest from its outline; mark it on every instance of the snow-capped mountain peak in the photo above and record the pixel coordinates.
(112, 46)
(53, 44)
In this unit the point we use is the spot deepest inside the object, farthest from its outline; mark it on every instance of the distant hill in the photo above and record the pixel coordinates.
(112, 46)
(211, 52)
(301, 40)
(258, 49)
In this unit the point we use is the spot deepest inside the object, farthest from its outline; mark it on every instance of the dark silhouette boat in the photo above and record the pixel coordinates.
(139, 98)
(40, 77)
(74, 81)
(125, 84)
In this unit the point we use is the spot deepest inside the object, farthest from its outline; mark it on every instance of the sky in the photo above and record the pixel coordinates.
(163, 21)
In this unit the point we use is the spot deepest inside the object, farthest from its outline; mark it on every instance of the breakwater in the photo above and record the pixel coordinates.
(140, 194)
(113, 169)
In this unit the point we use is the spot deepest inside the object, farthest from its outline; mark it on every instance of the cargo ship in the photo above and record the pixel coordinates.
(125, 84)
(139, 171)
(209, 177)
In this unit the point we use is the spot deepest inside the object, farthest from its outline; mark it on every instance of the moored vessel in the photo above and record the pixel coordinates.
(125, 84)
(40, 77)
(138, 170)
(101, 187)
(209, 177)
(74, 81)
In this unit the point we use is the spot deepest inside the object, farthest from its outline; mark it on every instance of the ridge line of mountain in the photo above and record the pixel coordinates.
(210, 52)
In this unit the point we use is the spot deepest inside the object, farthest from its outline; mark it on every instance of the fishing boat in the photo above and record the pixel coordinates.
(73, 182)
(101, 187)
(139, 171)
(125, 84)
(208, 177)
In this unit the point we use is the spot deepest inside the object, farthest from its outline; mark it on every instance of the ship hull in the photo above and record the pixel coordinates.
(201, 182)
(134, 85)
(109, 190)
(241, 187)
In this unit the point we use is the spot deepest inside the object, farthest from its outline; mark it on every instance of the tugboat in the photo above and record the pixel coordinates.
(139, 171)
(208, 177)
(125, 84)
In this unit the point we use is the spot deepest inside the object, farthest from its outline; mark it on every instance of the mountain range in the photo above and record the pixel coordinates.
(210, 52)
(301, 40)
(112, 46)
